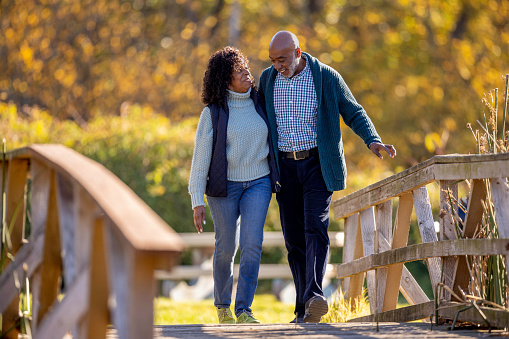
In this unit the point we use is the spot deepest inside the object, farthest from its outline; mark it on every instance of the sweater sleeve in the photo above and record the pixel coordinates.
(354, 114)
(201, 158)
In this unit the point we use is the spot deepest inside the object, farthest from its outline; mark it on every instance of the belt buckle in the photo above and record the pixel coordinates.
(295, 155)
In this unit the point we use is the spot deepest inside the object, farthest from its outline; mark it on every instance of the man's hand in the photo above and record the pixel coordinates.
(376, 147)
(199, 218)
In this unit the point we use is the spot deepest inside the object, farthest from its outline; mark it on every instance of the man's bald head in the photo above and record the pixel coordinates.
(284, 40)
(284, 52)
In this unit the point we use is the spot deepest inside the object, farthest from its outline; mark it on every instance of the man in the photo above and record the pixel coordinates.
(304, 99)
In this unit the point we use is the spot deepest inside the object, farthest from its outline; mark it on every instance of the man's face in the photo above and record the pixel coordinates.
(285, 61)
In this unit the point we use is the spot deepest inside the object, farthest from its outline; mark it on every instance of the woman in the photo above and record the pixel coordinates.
(234, 164)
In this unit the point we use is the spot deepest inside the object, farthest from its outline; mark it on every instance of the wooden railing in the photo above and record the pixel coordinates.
(90, 229)
(202, 246)
(202, 249)
(373, 245)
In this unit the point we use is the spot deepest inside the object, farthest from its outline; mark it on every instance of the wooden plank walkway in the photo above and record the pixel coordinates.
(314, 331)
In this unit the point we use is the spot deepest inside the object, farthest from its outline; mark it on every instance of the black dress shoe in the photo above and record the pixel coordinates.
(316, 307)
(297, 321)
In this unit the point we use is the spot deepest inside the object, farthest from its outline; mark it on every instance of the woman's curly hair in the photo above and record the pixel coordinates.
(219, 73)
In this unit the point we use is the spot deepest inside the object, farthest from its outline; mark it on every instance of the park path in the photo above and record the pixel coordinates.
(313, 331)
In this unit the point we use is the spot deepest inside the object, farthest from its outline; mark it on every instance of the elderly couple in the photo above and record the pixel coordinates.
(283, 138)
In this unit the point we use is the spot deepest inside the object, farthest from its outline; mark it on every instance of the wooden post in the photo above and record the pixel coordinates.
(500, 196)
(51, 264)
(87, 213)
(132, 282)
(40, 197)
(473, 218)
(16, 200)
(357, 281)
(368, 242)
(93, 325)
(15, 188)
(67, 199)
(448, 208)
(351, 225)
(427, 230)
(384, 227)
(400, 239)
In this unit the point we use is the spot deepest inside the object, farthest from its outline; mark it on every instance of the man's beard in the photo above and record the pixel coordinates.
(292, 67)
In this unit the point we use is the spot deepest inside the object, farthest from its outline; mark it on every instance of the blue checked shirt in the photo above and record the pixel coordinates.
(296, 107)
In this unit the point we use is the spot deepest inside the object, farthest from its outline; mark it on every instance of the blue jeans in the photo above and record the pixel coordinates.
(238, 220)
(304, 204)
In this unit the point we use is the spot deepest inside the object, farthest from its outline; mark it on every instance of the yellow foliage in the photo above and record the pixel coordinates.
(410, 63)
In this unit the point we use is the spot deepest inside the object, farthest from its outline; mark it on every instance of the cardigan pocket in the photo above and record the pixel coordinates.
(338, 167)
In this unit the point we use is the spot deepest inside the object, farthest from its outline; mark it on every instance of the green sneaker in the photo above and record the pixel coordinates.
(225, 316)
(247, 318)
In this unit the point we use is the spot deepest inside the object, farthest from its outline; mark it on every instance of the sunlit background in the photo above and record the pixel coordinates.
(120, 81)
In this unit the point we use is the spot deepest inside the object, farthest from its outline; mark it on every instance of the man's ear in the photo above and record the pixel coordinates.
(297, 52)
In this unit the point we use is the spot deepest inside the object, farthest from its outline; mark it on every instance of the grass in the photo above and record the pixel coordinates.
(341, 310)
(266, 308)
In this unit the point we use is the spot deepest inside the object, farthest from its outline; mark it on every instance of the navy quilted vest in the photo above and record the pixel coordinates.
(217, 182)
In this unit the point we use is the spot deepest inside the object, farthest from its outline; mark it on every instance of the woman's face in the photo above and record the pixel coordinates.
(241, 79)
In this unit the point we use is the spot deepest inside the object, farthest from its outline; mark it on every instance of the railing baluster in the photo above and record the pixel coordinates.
(352, 287)
(500, 196)
(427, 230)
(16, 201)
(448, 208)
(473, 218)
(133, 287)
(400, 238)
(384, 227)
(51, 261)
(67, 220)
(368, 242)
(87, 222)
(15, 215)
(40, 198)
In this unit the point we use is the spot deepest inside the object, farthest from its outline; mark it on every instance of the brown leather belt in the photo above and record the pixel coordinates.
(300, 154)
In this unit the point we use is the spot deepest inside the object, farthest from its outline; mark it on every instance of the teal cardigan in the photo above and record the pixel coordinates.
(334, 97)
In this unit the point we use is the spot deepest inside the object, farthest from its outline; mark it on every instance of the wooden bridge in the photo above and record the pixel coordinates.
(90, 228)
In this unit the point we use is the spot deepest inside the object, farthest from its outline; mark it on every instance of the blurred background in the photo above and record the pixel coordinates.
(120, 80)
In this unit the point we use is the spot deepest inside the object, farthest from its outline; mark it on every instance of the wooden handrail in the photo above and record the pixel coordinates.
(440, 167)
(89, 223)
(138, 223)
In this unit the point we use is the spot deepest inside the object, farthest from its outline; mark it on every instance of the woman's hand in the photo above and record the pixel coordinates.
(199, 218)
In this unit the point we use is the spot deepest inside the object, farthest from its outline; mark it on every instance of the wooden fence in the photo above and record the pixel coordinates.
(202, 247)
(89, 228)
(377, 248)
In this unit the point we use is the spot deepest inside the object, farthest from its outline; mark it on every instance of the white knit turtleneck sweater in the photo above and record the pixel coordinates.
(247, 148)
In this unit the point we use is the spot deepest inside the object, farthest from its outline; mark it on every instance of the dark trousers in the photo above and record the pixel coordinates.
(304, 204)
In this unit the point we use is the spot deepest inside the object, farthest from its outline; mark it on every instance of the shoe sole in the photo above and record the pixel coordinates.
(317, 309)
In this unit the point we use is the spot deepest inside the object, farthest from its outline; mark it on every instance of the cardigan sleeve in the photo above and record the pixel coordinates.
(353, 113)
(202, 156)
